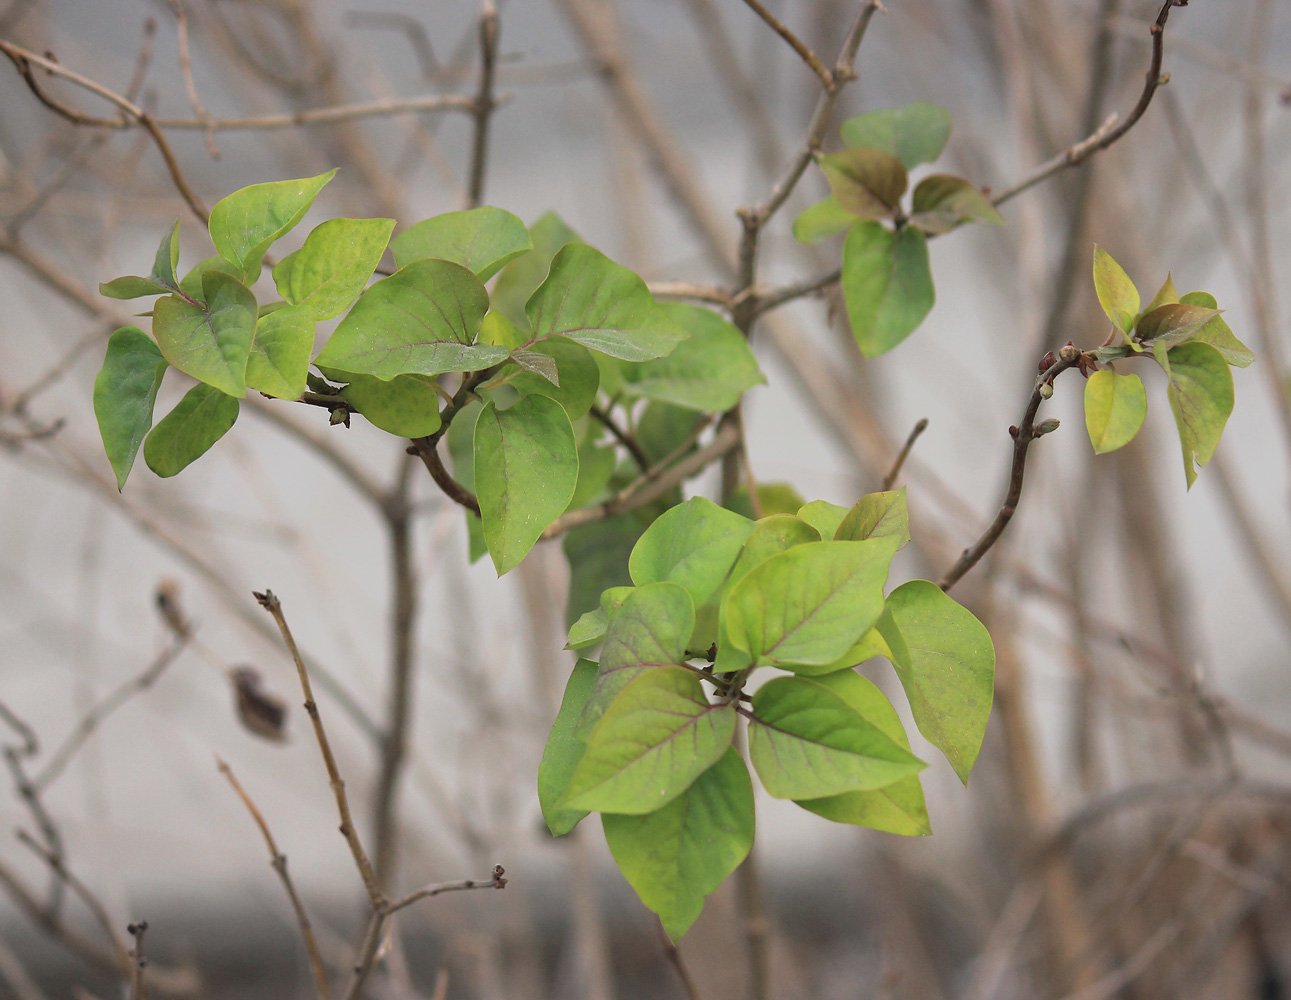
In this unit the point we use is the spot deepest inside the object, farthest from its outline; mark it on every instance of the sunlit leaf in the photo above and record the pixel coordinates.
(1115, 406)
(1116, 293)
(326, 274)
(483, 240)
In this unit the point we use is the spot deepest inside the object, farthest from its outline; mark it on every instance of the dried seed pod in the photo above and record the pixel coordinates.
(261, 712)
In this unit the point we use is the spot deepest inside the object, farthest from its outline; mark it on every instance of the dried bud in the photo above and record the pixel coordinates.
(1047, 362)
(167, 599)
(1068, 352)
(1088, 364)
(340, 415)
(1045, 390)
(260, 711)
(1045, 427)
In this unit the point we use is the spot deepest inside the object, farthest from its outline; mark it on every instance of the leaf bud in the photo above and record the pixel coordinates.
(1046, 427)
(1046, 390)
(1068, 352)
(1047, 362)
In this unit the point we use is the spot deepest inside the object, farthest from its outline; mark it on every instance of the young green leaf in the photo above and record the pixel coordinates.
(877, 515)
(676, 856)
(483, 240)
(942, 201)
(326, 274)
(210, 342)
(597, 554)
(526, 467)
(124, 393)
(1166, 295)
(809, 604)
(191, 283)
(1172, 324)
(564, 750)
(588, 630)
(1115, 406)
(1201, 396)
(821, 220)
(914, 134)
(693, 544)
(825, 517)
(807, 742)
(887, 285)
(599, 304)
(407, 405)
(654, 740)
(520, 279)
(162, 279)
(185, 434)
(867, 182)
(245, 224)
(1116, 293)
(770, 536)
(279, 358)
(577, 374)
(708, 371)
(422, 320)
(649, 629)
(873, 643)
(950, 677)
(1217, 334)
(896, 808)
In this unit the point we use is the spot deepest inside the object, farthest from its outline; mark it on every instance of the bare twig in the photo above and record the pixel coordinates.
(190, 85)
(78, 889)
(673, 954)
(485, 103)
(1023, 435)
(895, 471)
(622, 437)
(827, 79)
(427, 450)
(137, 931)
(278, 861)
(1111, 130)
(496, 880)
(270, 603)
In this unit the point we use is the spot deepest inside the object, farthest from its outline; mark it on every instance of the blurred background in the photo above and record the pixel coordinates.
(1125, 831)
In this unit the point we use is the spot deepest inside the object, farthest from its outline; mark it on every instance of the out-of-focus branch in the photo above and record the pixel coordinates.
(890, 479)
(826, 77)
(485, 102)
(278, 861)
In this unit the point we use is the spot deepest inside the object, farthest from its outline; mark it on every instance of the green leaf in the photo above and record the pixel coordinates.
(422, 320)
(708, 371)
(1115, 406)
(498, 329)
(877, 515)
(942, 201)
(125, 391)
(772, 535)
(873, 643)
(821, 220)
(676, 856)
(588, 630)
(914, 134)
(1172, 324)
(563, 751)
(162, 279)
(598, 559)
(866, 182)
(773, 498)
(1217, 334)
(807, 742)
(520, 279)
(526, 467)
(595, 469)
(167, 259)
(1201, 396)
(131, 286)
(1166, 295)
(649, 629)
(1116, 293)
(279, 358)
(599, 304)
(809, 604)
(654, 740)
(951, 674)
(823, 516)
(191, 283)
(185, 434)
(211, 342)
(407, 406)
(887, 285)
(896, 808)
(326, 274)
(579, 378)
(245, 224)
(482, 240)
(541, 364)
(694, 545)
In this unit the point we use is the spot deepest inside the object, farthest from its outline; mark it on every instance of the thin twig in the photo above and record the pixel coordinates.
(622, 437)
(1110, 131)
(278, 861)
(78, 888)
(140, 960)
(427, 450)
(270, 603)
(1023, 434)
(827, 79)
(485, 103)
(895, 471)
(673, 954)
(689, 292)
(494, 881)
(190, 85)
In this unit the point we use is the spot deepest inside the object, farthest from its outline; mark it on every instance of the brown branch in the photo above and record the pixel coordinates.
(190, 85)
(761, 302)
(1023, 434)
(485, 102)
(622, 437)
(278, 861)
(689, 292)
(270, 603)
(895, 471)
(140, 961)
(428, 451)
(494, 881)
(827, 79)
(673, 955)
(1110, 131)
(78, 888)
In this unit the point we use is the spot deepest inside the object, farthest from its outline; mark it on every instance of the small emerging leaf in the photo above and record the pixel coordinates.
(1217, 334)
(877, 515)
(1172, 324)
(942, 201)
(821, 220)
(1116, 293)
(867, 182)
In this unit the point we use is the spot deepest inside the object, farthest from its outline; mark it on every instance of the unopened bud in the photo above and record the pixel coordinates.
(1046, 390)
(1045, 427)
(1068, 352)
(1047, 362)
